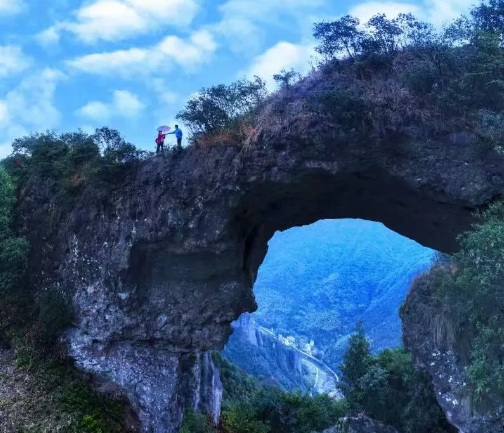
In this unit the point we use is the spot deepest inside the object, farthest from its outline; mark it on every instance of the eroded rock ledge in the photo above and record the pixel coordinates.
(159, 271)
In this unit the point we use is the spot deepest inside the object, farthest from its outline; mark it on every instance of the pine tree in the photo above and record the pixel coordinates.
(356, 362)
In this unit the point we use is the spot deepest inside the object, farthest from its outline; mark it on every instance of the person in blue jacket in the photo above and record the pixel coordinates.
(178, 133)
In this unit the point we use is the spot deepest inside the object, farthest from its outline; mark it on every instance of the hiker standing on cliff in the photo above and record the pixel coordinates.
(178, 133)
(160, 141)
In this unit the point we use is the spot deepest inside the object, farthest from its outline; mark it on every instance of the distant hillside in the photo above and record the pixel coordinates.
(317, 281)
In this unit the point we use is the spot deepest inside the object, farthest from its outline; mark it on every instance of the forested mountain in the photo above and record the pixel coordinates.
(318, 280)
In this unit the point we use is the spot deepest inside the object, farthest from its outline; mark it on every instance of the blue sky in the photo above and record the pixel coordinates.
(132, 64)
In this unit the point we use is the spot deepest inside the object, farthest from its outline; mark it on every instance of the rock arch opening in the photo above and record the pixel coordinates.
(315, 283)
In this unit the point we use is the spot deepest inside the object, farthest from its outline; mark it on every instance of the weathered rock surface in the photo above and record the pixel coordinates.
(443, 352)
(360, 424)
(261, 354)
(158, 270)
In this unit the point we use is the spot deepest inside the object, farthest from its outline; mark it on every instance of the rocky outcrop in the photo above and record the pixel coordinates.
(201, 386)
(158, 270)
(444, 353)
(360, 424)
(260, 353)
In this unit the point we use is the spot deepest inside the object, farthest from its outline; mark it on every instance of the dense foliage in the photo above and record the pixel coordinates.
(470, 288)
(401, 71)
(285, 78)
(68, 162)
(14, 294)
(387, 388)
(251, 407)
(224, 109)
(384, 387)
(384, 74)
(345, 38)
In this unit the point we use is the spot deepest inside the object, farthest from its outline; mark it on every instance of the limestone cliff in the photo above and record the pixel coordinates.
(260, 354)
(158, 269)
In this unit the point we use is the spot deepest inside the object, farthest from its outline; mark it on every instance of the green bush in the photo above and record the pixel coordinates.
(242, 419)
(222, 107)
(71, 161)
(63, 397)
(195, 422)
(345, 37)
(491, 128)
(470, 291)
(388, 388)
(91, 411)
(14, 296)
(451, 79)
(344, 106)
(250, 407)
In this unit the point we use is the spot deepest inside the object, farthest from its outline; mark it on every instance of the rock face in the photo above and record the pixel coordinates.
(158, 270)
(260, 354)
(438, 349)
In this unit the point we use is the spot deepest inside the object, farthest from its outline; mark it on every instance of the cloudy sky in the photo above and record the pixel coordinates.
(131, 64)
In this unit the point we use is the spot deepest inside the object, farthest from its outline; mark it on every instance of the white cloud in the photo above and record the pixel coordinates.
(116, 20)
(161, 89)
(30, 106)
(283, 55)
(11, 6)
(12, 60)
(437, 12)
(365, 11)
(127, 104)
(49, 36)
(171, 52)
(5, 150)
(95, 110)
(243, 24)
(167, 102)
(123, 104)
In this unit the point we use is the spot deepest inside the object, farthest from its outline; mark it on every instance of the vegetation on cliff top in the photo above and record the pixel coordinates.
(380, 77)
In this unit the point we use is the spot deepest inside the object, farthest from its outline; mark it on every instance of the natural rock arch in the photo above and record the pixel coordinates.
(158, 273)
